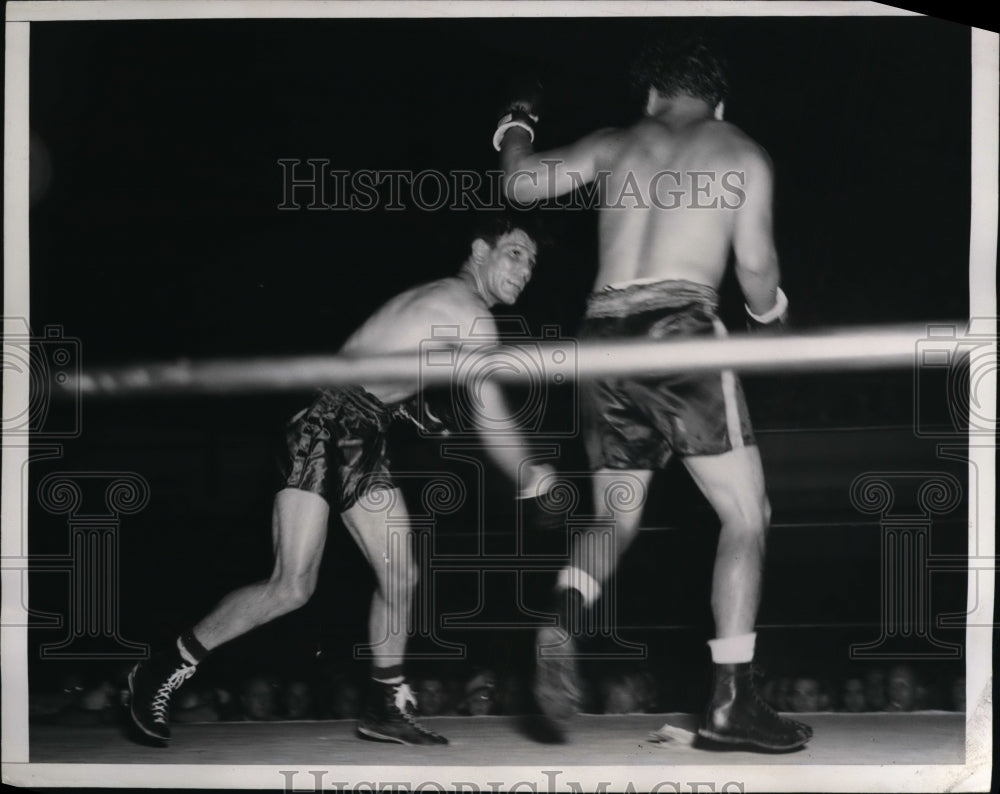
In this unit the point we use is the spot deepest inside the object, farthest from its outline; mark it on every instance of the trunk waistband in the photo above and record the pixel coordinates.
(640, 295)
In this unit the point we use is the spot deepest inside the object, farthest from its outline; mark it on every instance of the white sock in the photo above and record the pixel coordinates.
(588, 586)
(733, 650)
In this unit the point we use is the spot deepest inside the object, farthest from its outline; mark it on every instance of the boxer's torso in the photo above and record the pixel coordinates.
(407, 320)
(669, 204)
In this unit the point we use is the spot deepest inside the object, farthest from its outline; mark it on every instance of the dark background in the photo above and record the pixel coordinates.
(158, 236)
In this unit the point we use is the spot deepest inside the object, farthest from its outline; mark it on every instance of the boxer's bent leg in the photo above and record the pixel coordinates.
(388, 549)
(391, 708)
(733, 483)
(298, 529)
(299, 534)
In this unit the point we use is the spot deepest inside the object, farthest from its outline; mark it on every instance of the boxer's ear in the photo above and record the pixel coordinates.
(480, 248)
(720, 110)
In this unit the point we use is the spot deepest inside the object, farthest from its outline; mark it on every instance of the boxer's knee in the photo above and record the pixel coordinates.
(291, 591)
(746, 518)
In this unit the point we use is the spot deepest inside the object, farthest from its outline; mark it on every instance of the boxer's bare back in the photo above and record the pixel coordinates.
(679, 189)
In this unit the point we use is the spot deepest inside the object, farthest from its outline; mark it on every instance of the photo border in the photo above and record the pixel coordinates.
(975, 774)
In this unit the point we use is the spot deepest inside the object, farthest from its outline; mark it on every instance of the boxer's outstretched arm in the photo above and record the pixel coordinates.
(531, 176)
(757, 267)
(501, 438)
(499, 433)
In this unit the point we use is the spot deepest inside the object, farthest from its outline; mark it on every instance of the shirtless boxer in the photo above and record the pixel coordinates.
(337, 458)
(679, 190)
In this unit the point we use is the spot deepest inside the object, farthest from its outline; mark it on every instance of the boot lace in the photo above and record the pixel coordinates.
(161, 701)
(406, 702)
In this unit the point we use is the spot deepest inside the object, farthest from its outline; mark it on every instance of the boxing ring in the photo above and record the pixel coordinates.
(271, 750)
(491, 741)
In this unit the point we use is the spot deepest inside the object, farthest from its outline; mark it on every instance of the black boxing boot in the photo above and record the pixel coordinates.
(390, 716)
(151, 683)
(736, 714)
(557, 688)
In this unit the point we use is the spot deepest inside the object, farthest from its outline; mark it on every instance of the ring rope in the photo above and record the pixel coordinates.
(857, 348)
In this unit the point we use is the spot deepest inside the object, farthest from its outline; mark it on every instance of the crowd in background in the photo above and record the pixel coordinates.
(75, 699)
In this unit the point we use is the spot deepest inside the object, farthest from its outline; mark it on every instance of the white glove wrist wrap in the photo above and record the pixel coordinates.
(539, 483)
(775, 313)
(506, 123)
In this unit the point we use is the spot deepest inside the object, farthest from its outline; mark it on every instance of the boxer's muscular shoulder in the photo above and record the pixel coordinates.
(415, 315)
(608, 144)
(738, 144)
(450, 301)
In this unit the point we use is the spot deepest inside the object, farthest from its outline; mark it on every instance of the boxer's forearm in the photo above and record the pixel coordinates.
(760, 286)
(498, 432)
(525, 179)
(515, 148)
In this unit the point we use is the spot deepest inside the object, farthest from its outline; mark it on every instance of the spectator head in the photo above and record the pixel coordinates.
(480, 694)
(804, 695)
(901, 688)
(258, 698)
(297, 700)
(853, 696)
(875, 690)
(432, 697)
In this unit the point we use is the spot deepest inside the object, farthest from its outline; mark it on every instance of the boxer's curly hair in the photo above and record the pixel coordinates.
(680, 66)
(491, 226)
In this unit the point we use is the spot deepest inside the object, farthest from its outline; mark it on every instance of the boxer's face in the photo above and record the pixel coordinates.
(506, 267)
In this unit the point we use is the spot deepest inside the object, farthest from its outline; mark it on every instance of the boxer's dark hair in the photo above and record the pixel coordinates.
(680, 66)
(491, 226)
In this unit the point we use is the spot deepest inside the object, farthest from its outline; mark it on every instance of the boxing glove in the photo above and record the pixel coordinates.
(521, 111)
